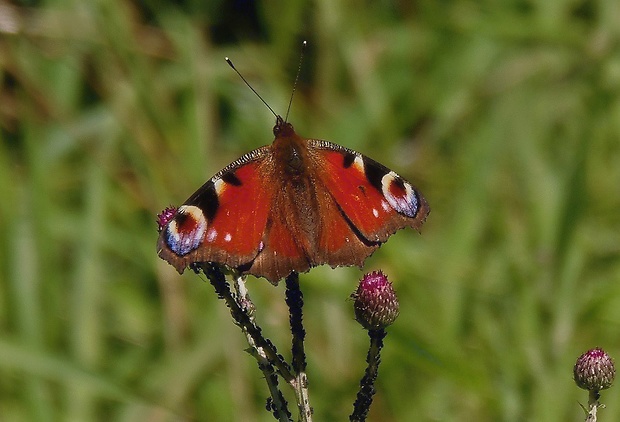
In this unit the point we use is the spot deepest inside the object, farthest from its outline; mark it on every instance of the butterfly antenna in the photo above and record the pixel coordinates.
(301, 59)
(230, 63)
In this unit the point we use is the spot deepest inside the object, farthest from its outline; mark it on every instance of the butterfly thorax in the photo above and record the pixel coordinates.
(290, 152)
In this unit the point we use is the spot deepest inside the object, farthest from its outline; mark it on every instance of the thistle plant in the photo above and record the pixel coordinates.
(164, 217)
(594, 371)
(375, 305)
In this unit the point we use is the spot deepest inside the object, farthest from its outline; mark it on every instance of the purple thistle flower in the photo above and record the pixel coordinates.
(165, 216)
(376, 305)
(594, 370)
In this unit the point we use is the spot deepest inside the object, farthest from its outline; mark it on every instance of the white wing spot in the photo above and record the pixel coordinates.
(375, 212)
(385, 205)
(227, 237)
(211, 234)
(219, 186)
(358, 163)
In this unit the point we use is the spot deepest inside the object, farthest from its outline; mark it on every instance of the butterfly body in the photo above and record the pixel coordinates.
(290, 206)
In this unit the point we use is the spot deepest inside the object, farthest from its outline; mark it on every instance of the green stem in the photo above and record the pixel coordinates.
(593, 405)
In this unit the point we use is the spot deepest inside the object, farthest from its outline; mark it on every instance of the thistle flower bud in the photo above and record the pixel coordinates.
(594, 370)
(164, 217)
(375, 302)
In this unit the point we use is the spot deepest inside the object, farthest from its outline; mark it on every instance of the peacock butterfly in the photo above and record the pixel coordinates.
(290, 206)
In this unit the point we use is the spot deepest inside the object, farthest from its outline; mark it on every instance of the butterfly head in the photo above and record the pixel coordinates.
(282, 128)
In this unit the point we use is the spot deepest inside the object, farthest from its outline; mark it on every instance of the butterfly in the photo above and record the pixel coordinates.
(290, 206)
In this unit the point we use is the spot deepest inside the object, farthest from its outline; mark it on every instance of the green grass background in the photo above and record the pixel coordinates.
(505, 114)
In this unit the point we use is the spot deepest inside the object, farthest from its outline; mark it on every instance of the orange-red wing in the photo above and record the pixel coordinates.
(356, 184)
(239, 222)
(230, 212)
(283, 250)
(340, 243)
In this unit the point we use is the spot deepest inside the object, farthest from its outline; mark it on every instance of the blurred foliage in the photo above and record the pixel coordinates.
(505, 114)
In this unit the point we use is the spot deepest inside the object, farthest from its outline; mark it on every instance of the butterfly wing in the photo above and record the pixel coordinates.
(284, 246)
(307, 228)
(223, 221)
(340, 242)
(376, 201)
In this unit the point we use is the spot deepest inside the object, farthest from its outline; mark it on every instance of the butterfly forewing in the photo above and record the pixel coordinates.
(374, 199)
(233, 207)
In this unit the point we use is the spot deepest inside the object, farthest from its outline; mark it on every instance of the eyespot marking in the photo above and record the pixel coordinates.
(399, 194)
(186, 231)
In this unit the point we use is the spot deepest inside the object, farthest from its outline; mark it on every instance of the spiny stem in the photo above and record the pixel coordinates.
(593, 405)
(367, 383)
(295, 302)
(277, 405)
(246, 322)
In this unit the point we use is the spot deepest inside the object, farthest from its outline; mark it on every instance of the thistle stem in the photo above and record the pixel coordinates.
(295, 302)
(277, 405)
(593, 405)
(241, 309)
(367, 383)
